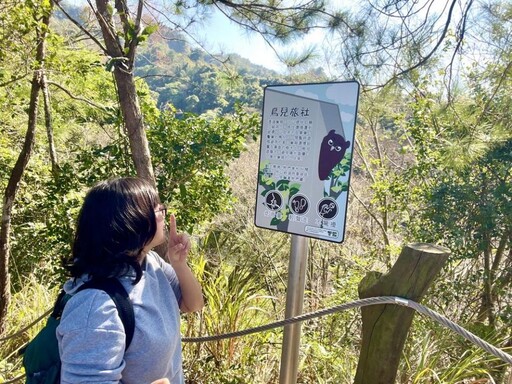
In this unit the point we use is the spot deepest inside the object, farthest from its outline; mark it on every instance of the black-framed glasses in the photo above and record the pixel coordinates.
(162, 208)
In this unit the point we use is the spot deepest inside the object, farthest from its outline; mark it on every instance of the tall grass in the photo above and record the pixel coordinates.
(435, 355)
(235, 300)
(26, 305)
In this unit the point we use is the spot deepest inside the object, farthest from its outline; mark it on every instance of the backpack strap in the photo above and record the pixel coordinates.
(118, 294)
(58, 307)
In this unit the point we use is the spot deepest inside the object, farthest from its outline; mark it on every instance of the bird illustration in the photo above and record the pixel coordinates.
(332, 150)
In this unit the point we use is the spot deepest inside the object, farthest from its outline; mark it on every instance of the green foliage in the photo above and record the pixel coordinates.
(462, 170)
(480, 228)
(7, 159)
(194, 186)
(190, 155)
(47, 208)
(485, 186)
(324, 363)
(276, 19)
(42, 218)
(330, 344)
(19, 22)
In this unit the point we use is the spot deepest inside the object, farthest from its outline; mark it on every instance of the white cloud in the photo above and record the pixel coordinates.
(347, 97)
(347, 117)
(308, 95)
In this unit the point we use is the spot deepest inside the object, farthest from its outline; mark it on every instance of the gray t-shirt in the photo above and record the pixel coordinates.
(92, 339)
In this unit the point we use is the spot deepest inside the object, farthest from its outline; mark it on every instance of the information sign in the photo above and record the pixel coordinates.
(307, 139)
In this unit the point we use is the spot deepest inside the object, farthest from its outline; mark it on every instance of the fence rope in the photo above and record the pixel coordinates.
(21, 331)
(379, 300)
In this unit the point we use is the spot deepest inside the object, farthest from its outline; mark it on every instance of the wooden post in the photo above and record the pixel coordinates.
(385, 327)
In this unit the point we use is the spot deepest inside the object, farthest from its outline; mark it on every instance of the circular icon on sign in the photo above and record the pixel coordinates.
(274, 200)
(299, 204)
(327, 208)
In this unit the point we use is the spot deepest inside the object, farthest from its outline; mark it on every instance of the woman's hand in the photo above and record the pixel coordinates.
(179, 244)
(177, 253)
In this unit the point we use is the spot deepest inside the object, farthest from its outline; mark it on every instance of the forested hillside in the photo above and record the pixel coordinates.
(194, 81)
(105, 88)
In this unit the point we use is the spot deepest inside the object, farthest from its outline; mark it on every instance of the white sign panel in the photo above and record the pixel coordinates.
(307, 140)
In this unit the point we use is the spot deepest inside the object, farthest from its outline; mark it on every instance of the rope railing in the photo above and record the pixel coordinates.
(379, 300)
(27, 327)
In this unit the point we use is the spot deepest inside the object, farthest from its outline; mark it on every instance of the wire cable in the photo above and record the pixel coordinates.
(379, 300)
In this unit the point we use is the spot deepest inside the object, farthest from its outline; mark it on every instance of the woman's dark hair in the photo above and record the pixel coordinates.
(116, 221)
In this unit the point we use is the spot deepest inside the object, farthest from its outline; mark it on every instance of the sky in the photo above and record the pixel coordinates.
(226, 36)
(220, 35)
(223, 35)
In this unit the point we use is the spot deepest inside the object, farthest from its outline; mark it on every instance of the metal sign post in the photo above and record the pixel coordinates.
(294, 304)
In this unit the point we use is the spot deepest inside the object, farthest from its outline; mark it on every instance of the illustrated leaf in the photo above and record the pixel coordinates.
(293, 191)
(283, 185)
(337, 188)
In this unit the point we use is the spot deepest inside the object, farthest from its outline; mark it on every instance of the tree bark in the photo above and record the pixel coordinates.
(48, 124)
(487, 306)
(10, 196)
(134, 124)
(122, 57)
(14, 182)
(385, 327)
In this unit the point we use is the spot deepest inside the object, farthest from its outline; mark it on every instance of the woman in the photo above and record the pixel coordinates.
(120, 221)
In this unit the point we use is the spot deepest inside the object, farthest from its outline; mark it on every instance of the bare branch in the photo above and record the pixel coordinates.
(460, 38)
(430, 54)
(503, 77)
(184, 29)
(14, 79)
(81, 27)
(365, 162)
(367, 209)
(79, 98)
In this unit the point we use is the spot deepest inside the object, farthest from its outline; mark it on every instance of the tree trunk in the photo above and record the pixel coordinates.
(10, 196)
(134, 123)
(385, 327)
(12, 189)
(486, 310)
(122, 57)
(48, 124)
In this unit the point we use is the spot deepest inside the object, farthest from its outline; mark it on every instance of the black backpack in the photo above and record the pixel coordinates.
(41, 358)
